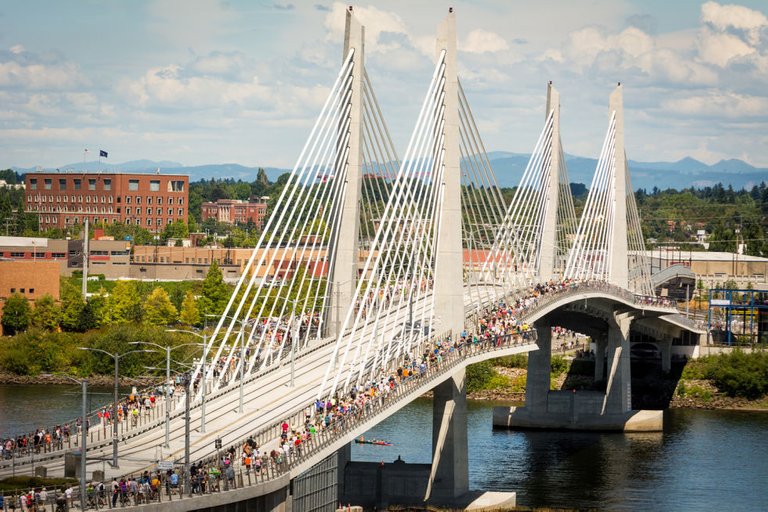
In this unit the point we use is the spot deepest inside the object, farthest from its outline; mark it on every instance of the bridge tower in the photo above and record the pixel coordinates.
(449, 477)
(345, 257)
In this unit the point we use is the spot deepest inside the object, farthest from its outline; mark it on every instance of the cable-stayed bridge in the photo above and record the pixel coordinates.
(374, 261)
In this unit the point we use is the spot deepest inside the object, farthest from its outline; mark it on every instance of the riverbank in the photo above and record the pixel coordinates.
(94, 380)
(683, 394)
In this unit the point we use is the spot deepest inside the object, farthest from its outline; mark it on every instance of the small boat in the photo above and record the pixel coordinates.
(377, 442)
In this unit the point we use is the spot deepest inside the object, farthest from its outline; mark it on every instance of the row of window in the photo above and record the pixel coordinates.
(149, 211)
(133, 184)
(22, 290)
(76, 209)
(32, 254)
(104, 199)
(76, 220)
(77, 184)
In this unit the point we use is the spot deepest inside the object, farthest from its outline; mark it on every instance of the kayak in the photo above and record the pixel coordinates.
(375, 442)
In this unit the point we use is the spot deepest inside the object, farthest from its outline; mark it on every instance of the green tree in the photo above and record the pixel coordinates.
(72, 305)
(176, 229)
(16, 314)
(216, 293)
(158, 308)
(190, 313)
(47, 314)
(124, 304)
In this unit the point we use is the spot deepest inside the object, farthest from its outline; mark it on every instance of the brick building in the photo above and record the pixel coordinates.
(151, 201)
(235, 211)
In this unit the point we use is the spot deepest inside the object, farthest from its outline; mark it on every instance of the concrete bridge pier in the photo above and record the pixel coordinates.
(449, 477)
(601, 344)
(583, 410)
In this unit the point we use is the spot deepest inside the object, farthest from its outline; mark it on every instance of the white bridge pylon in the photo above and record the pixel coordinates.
(298, 282)
(539, 226)
(609, 244)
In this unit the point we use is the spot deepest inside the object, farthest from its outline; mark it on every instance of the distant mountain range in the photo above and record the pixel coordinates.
(508, 168)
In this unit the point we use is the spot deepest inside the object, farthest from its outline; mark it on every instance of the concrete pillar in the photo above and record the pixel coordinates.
(346, 258)
(619, 387)
(666, 355)
(539, 367)
(450, 465)
(449, 271)
(619, 269)
(601, 343)
(548, 245)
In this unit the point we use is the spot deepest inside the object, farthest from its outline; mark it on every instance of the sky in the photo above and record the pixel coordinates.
(220, 81)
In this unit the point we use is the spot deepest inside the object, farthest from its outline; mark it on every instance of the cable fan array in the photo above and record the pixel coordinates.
(283, 298)
(394, 302)
(515, 259)
(592, 255)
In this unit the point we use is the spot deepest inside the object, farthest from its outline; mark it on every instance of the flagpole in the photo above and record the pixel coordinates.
(85, 153)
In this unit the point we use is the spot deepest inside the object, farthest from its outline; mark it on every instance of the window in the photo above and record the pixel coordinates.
(103, 199)
(127, 199)
(58, 255)
(87, 199)
(62, 184)
(109, 199)
(17, 255)
(170, 200)
(48, 183)
(175, 186)
(31, 290)
(170, 220)
(159, 222)
(78, 183)
(13, 290)
(154, 185)
(159, 211)
(22, 290)
(127, 210)
(149, 222)
(170, 211)
(138, 222)
(33, 184)
(118, 209)
(107, 184)
(138, 199)
(91, 184)
(149, 199)
(159, 200)
(181, 200)
(181, 212)
(133, 184)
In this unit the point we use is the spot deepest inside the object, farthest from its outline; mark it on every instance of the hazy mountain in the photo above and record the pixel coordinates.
(507, 166)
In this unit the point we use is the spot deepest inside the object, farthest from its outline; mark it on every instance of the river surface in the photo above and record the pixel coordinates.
(704, 460)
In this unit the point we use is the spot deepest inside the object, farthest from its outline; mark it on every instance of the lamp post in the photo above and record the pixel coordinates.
(204, 336)
(167, 350)
(83, 440)
(241, 339)
(116, 357)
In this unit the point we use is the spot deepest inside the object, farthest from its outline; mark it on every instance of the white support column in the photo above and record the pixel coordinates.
(346, 262)
(449, 269)
(618, 392)
(539, 368)
(449, 477)
(548, 246)
(600, 344)
(619, 271)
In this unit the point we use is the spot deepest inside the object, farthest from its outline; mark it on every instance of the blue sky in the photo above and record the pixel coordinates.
(212, 81)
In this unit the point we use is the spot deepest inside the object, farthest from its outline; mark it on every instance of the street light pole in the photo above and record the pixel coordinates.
(116, 357)
(186, 429)
(203, 383)
(83, 441)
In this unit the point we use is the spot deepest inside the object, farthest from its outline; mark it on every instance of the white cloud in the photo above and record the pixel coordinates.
(720, 48)
(378, 24)
(719, 104)
(37, 76)
(483, 41)
(730, 16)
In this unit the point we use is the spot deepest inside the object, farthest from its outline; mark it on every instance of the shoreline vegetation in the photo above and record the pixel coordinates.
(690, 386)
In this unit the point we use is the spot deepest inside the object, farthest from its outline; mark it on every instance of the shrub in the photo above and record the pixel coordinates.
(559, 365)
(480, 375)
(514, 361)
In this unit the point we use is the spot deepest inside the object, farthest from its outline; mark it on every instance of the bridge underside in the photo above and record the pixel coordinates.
(608, 324)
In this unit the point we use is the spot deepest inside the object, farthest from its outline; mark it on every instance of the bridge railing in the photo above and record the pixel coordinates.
(341, 426)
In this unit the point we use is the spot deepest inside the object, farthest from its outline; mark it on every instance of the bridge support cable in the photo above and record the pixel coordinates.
(398, 269)
(293, 284)
(608, 245)
(482, 203)
(270, 237)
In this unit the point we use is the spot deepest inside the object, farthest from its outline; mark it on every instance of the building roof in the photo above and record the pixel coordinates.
(22, 241)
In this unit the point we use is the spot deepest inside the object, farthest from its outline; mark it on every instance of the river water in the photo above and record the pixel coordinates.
(704, 460)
